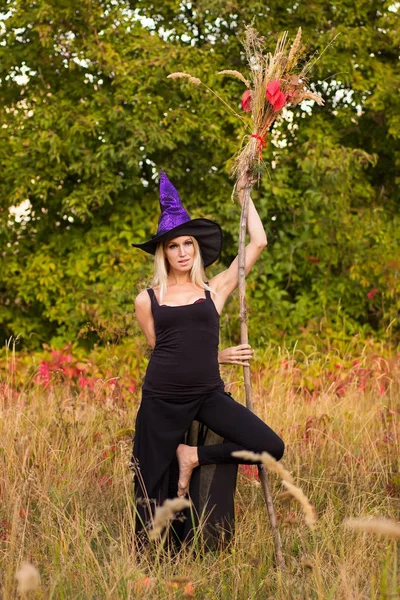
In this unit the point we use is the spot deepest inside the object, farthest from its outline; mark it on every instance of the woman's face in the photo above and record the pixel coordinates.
(180, 253)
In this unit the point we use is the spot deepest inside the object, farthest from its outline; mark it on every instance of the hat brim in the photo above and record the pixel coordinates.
(207, 233)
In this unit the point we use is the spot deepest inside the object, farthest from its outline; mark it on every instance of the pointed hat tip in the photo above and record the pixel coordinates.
(163, 179)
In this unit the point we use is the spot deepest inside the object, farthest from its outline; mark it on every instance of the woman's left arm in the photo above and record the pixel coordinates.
(224, 283)
(236, 355)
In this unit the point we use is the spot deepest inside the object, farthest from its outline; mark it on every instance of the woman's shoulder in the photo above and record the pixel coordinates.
(143, 298)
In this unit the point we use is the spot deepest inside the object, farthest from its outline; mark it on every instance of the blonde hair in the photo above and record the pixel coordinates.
(161, 269)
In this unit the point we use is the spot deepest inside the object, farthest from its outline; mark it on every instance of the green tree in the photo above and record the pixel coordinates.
(88, 117)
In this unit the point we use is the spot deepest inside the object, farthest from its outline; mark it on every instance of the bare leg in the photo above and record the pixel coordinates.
(187, 459)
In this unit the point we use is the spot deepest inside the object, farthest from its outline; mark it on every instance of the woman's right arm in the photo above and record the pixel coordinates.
(145, 317)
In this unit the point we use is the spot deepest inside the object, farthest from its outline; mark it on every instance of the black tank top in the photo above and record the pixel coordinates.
(184, 362)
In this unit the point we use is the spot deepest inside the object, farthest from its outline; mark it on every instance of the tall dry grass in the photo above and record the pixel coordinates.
(66, 495)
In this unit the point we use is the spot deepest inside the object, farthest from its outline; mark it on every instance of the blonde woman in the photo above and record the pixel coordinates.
(179, 316)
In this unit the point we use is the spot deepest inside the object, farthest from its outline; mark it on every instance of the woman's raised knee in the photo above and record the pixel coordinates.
(279, 449)
(275, 447)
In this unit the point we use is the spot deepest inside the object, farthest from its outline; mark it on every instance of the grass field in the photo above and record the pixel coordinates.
(66, 490)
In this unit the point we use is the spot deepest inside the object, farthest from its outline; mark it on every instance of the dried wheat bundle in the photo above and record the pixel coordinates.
(276, 81)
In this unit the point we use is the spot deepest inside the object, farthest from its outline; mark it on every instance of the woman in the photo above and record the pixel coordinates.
(179, 316)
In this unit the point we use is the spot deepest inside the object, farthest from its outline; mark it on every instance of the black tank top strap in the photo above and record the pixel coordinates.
(152, 295)
(208, 294)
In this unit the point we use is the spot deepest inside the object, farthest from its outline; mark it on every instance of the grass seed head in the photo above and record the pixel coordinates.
(276, 467)
(267, 460)
(28, 578)
(295, 49)
(165, 513)
(236, 74)
(379, 526)
(312, 96)
(181, 75)
(308, 509)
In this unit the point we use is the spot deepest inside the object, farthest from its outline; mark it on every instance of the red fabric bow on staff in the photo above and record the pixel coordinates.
(262, 143)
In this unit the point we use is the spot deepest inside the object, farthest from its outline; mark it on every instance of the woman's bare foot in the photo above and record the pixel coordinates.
(187, 459)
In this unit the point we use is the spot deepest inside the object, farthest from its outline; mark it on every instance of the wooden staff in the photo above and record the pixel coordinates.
(244, 338)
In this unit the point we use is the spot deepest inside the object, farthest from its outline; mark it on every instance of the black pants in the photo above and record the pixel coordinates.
(162, 424)
(238, 424)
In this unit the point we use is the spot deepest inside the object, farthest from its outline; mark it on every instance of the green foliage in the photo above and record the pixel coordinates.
(85, 132)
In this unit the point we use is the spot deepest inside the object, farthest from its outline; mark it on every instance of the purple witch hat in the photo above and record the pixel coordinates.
(175, 221)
